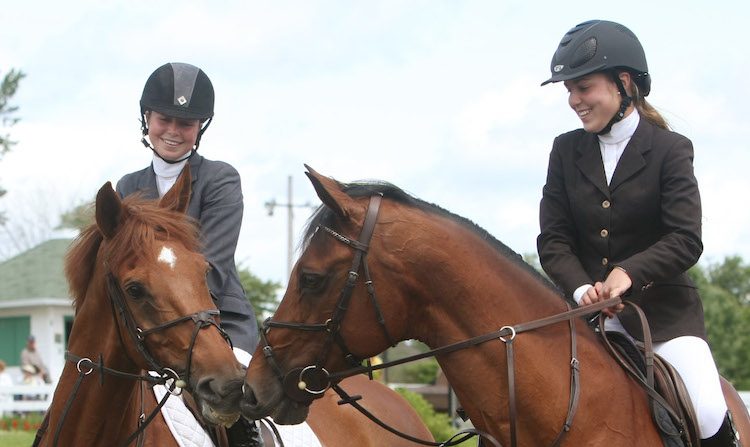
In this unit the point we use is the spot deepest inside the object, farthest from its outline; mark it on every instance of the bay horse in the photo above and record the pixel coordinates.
(142, 303)
(442, 280)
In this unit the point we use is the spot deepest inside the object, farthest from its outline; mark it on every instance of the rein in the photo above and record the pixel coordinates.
(165, 376)
(297, 382)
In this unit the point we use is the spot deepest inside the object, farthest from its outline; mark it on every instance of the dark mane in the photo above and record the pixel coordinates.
(325, 217)
(142, 223)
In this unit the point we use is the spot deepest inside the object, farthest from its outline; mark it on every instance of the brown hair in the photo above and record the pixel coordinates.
(645, 109)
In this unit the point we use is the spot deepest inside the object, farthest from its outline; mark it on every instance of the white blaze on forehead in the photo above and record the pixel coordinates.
(167, 256)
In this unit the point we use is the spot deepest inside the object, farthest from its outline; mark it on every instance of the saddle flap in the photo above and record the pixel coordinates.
(671, 407)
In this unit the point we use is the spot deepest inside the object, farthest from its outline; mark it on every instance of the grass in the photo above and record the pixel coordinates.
(16, 438)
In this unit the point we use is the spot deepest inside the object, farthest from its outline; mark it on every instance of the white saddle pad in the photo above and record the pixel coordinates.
(300, 435)
(181, 422)
(188, 433)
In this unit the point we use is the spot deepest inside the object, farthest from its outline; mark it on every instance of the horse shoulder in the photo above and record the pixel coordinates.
(343, 425)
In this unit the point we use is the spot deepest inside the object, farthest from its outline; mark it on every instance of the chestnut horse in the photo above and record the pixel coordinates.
(419, 272)
(142, 303)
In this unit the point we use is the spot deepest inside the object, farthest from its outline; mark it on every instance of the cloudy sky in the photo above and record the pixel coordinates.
(440, 97)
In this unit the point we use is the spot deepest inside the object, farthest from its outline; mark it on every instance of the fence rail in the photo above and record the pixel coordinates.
(25, 398)
(39, 397)
(745, 395)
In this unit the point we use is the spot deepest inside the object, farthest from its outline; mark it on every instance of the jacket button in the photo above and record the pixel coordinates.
(605, 261)
(606, 204)
(604, 233)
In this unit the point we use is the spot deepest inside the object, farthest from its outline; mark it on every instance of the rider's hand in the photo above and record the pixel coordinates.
(616, 284)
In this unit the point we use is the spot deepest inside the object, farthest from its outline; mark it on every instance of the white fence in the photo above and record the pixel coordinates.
(30, 398)
(39, 397)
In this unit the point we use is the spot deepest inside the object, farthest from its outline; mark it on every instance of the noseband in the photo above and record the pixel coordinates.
(308, 383)
(168, 377)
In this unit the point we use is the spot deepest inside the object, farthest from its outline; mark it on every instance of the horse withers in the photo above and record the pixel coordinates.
(380, 266)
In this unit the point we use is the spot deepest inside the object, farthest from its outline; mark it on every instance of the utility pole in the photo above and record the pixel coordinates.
(289, 205)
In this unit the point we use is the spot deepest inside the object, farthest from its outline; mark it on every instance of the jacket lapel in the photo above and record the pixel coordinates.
(632, 159)
(147, 185)
(590, 163)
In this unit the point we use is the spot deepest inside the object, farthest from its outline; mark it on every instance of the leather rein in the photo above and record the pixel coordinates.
(168, 377)
(308, 383)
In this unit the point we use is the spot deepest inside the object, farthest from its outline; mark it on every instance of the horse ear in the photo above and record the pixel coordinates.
(108, 210)
(178, 196)
(330, 193)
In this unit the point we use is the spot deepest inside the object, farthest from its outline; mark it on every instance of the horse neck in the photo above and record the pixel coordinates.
(479, 293)
(464, 285)
(102, 407)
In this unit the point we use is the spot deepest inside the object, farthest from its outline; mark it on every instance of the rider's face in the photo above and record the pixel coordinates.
(595, 99)
(171, 137)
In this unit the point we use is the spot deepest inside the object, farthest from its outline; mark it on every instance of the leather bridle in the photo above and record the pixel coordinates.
(306, 384)
(172, 380)
(309, 383)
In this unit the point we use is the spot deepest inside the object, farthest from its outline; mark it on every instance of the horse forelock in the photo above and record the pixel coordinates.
(324, 216)
(142, 224)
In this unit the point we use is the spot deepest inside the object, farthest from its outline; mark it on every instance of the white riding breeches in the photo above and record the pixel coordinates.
(692, 359)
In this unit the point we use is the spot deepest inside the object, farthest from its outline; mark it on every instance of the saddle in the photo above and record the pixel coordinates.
(671, 407)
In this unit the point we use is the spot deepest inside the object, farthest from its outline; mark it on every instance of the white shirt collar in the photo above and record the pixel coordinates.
(166, 173)
(622, 130)
(167, 170)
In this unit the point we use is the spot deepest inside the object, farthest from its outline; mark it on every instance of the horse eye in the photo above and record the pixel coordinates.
(135, 290)
(311, 281)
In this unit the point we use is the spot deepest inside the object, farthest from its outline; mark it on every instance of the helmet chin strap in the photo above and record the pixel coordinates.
(148, 145)
(625, 102)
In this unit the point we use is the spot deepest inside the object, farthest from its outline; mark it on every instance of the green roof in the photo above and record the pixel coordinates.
(36, 273)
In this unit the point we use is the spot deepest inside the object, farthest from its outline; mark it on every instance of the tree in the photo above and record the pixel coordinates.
(8, 88)
(78, 218)
(261, 294)
(724, 291)
(732, 275)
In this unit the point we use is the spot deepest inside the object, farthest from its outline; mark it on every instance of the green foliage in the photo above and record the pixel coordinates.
(261, 294)
(724, 289)
(8, 88)
(413, 372)
(78, 218)
(424, 371)
(732, 275)
(16, 438)
(439, 424)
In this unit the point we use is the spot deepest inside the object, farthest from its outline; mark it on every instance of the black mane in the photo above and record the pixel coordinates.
(324, 216)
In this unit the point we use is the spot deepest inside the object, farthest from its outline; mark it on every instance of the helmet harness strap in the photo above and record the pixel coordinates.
(625, 102)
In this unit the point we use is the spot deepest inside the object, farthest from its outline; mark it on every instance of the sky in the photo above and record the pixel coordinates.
(440, 97)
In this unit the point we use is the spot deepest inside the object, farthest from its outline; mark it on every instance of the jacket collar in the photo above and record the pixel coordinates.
(632, 160)
(147, 183)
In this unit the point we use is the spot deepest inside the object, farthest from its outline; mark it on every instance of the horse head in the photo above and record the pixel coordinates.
(330, 317)
(140, 262)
